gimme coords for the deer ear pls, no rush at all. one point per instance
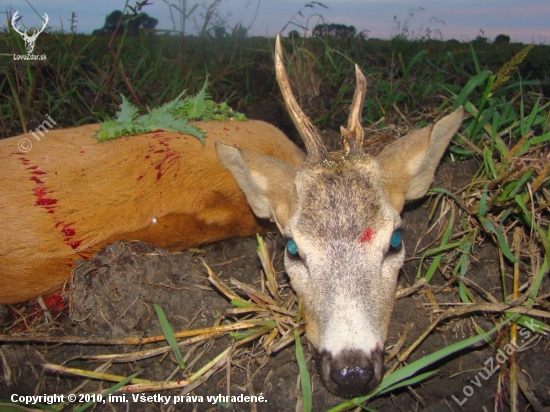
(267, 183)
(408, 164)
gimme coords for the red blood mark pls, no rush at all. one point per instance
(225, 128)
(75, 244)
(40, 193)
(141, 176)
(38, 172)
(32, 168)
(159, 151)
(55, 303)
(45, 201)
(67, 231)
(147, 157)
(366, 236)
(161, 165)
(36, 179)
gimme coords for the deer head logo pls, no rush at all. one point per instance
(29, 40)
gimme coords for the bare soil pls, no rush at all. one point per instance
(113, 294)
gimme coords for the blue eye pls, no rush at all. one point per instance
(396, 240)
(292, 249)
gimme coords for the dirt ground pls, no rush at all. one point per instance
(113, 293)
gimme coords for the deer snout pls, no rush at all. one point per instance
(352, 372)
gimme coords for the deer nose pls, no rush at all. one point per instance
(352, 373)
(352, 379)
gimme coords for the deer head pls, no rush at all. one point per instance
(339, 213)
(29, 40)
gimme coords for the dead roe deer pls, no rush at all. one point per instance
(339, 213)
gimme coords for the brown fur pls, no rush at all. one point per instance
(70, 195)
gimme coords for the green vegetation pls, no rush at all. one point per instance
(503, 87)
(83, 77)
(172, 116)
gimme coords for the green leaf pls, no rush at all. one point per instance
(470, 86)
(241, 303)
(199, 106)
(523, 207)
(172, 116)
(126, 112)
(169, 335)
(527, 123)
(304, 375)
(239, 335)
(534, 325)
(411, 381)
(488, 225)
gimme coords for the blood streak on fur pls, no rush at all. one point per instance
(366, 236)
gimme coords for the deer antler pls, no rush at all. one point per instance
(352, 136)
(309, 133)
(37, 32)
(25, 35)
(13, 22)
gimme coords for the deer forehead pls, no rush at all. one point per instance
(341, 198)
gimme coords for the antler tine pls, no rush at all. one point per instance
(37, 31)
(352, 136)
(46, 21)
(14, 22)
(309, 133)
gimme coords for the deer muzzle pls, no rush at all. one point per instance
(353, 372)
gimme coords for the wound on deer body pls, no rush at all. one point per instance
(366, 236)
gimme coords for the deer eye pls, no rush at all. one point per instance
(396, 240)
(292, 249)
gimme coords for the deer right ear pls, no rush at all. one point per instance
(267, 183)
(408, 164)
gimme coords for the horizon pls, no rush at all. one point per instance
(383, 20)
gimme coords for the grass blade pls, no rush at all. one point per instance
(169, 334)
(304, 374)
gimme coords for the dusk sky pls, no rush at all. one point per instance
(526, 20)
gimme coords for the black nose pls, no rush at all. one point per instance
(353, 379)
(352, 373)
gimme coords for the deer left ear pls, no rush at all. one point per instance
(267, 183)
(408, 164)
